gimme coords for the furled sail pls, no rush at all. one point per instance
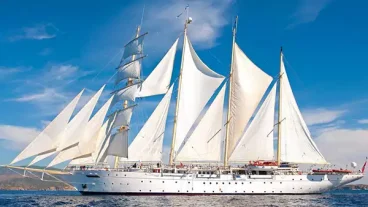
(47, 137)
(158, 81)
(75, 128)
(131, 69)
(86, 142)
(147, 145)
(249, 84)
(126, 93)
(296, 144)
(118, 144)
(134, 47)
(257, 141)
(204, 144)
(198, 85)
(122, 116)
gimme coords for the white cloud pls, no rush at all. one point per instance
(308, 11)
(363, 121)
(343, 146)
(17, 137)
(8, 71)
(209, 17)
(48, 95)
(321, 115)
(37, 32)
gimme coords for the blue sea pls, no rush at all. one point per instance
(63, 198)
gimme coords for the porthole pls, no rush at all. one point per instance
(204, 191)
(272, 191)
(265, 191)
(187, 191)
(223, 183)
(108, 174)
(244, 191)
(176, 181)
(178, 191)
(163, 191)
(293, 178)
(250, 182)
(141, 181)
(140, 190)
(150, 181)
(163, 181)
(264, 182)
(236, 183)
(127, 183)
(150, 190)
(236, 191)
(120, 183)
(229, 183)
(210, 183)
(216, 183)
(125, 175)
(116, 175)
(280, 182)
(242, 183)
(252, 191)
(270, 182)
(213, 191)
(112, 183)
(301, 179)
(188, 182)
(204, 182)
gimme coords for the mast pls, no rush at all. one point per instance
(187, 21)
(230, 87)
(125, 104)
(279, 114)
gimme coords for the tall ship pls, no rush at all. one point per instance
(213, 150)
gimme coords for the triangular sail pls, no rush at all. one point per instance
(249, 83)
(198, 85)
(46, 138)
(147, 145)
(158, 81)
(257, 141)
(296, 144)
(86, 143)
(204, 144)
(75, 128)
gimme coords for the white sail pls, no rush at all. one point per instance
(134, 47)
(129, 70)
(296, 144)
(127, 93)
(123, 117)
(249, 83)
(158, 81)
(198, 85)
(86, 143)
(118, 144)
(147, 145)
(47, 137)
(76, 127)
(42, 156)
(257, 141)
(204, 144)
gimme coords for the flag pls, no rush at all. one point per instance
(183, 11)
(363, 168)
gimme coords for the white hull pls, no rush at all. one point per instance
(110, 182)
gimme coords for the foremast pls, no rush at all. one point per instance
(171, 159)
(130, 79)
(228, 119)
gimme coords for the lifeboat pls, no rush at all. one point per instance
(322, 171)
(342, 171)
(263, 163)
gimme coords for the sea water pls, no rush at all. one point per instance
(71, 198)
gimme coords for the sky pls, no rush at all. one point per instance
(49, 51)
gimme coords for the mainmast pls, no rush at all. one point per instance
(230, 87)
(279, 114)
(187, 21)
(125, 104)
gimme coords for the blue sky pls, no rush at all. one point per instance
(49, 51)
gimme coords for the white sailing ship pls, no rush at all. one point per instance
(207, 155)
